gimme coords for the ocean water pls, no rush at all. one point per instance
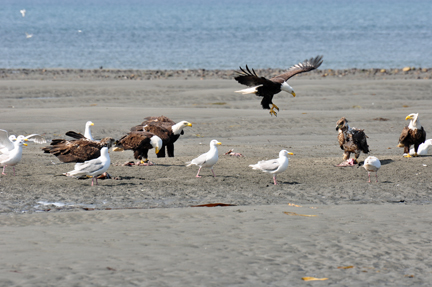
(223, 34)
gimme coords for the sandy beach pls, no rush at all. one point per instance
(140, 228)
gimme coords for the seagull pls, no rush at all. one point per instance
(7, 142)
(208, 159)
(422, 149)
(36, 138)
(29, 35)
(274, 166)
(372, 164)
(93, 167)
(13, 157)
(23, 11)
(87, 132)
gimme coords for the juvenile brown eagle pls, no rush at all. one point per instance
(413, 134)
(351, 140)
(266, 88)
(80, 149)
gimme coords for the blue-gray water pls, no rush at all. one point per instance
(223, 34)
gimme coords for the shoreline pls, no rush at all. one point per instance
(133, 74)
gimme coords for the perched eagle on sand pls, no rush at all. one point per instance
(266, 88)
(139, 143)
(413, 134)
(351, 140)
(166, 129)
(80, 149)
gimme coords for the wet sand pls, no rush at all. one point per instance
(152, 235)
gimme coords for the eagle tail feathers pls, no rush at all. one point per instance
(252, 90)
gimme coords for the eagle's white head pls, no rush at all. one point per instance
(287, 88)
(156, 143)
(178, 127)
(414, 121)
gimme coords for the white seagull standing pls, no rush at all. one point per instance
(23, 11)
(208, 159)
(274, 166)
(12, 157)
(372, 164)
(93, 167)
(87, 132)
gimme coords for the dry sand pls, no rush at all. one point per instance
(381, 229)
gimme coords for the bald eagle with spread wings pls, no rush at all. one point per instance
(267, 88)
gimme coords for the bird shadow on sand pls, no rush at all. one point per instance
(290, 183)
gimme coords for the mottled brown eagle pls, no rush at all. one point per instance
(351, 140)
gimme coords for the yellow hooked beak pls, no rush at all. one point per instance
(218, 143)
(117, 149)
(157, 150)
(290, 153)
(188, 124)
(25, 144)
(26, 140)
(408, 118)
(293, 93)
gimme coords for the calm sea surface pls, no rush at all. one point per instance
(222, 34)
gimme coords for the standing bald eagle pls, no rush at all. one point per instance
(166, 129)
(139, 143)
(266, 88)
(351, 140)
(413, 134)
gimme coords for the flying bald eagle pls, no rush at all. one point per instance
(140, 143)
(266, 88)
(351, 140)
(413, 134)
(166, 129)
(79, 150)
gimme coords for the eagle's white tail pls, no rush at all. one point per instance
(248, 90)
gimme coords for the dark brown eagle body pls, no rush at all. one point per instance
(138, 141)
(79, 150)
(162, 127)
(267, 88)
(351, 140)
(413, 134)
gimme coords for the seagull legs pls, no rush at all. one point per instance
(198, 172)
(95, 179)
(14, 170)
(3, 172)
(214, 175)
(376, 176)
(272, 111)
(274, 179)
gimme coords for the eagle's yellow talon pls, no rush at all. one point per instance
(272, 111)
(407, 155)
